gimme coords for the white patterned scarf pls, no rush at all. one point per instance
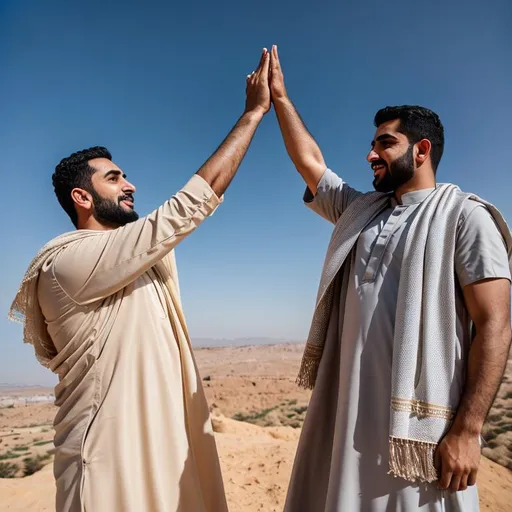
(426, 358)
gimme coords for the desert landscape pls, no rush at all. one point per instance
(257, 412)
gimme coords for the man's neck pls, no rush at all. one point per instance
(420, 183)
(92, 223)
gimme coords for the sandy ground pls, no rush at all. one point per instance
(254, 385)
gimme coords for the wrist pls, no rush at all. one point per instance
(255, 114)
(281, 101)
(467, 427)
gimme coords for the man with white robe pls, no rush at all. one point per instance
(411, 329)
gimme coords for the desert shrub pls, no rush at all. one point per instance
(9, 455)
(495, 416)
(252, 418)
(263, 413)
(8, 470)
(42, 443)
(34, 464)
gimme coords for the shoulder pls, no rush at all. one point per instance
(67, 250)
(474, 211)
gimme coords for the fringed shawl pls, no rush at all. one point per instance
(425, 350)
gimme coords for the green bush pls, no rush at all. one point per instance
(42, 443)
(34, 464)
(9, 455)
(252, 418)
(8, 470)
(20, 448)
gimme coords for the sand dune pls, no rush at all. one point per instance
(256, 464)
(256, 385)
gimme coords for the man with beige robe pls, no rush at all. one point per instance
(102, 308)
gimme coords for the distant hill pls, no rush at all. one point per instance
(5, 385)
(238, 342)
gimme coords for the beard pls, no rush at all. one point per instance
(112, 214)
(399, 172)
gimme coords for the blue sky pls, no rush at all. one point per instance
(161, 84)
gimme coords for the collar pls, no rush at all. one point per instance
(414, 197)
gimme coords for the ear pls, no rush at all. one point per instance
(82, 198)
(422, 151)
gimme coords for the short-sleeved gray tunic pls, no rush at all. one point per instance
(357, 477)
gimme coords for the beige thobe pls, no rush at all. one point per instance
(133, 431)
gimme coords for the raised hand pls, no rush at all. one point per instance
(277, 87)
(300, 144)
(258, 90)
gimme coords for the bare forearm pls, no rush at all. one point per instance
(221, 167)
(300, 144)
(487, 360)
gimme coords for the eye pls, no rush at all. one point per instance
(113, 178)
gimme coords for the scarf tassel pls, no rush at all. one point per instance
(412, 460)
(308, 372)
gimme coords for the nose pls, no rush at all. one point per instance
(372, 156)
(128, 187)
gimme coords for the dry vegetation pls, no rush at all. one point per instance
(26, 443)
(498, 428)
(255, 386)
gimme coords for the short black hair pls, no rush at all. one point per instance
(416, 123)
(75, 172)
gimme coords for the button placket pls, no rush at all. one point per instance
(379, 249)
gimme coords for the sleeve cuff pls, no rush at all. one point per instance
(198, 187)
(326, 179)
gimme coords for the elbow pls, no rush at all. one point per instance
(312, 161)
(312, 171)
